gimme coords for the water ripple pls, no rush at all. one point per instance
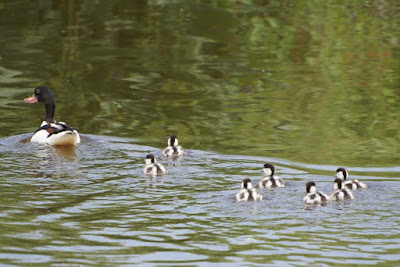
(95, 205)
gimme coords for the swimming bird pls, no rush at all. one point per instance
(340, 192)
(152, 167)
(270, 180)
(342, 174)
(173, 150)
(313, 196)
(50, 131)
(247, 192)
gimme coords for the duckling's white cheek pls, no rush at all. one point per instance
(313, 189)
(340, 175)
(267, 171)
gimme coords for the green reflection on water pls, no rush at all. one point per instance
(307, 81)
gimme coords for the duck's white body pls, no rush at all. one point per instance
(56, 134)
(173, 151)
(354, 184)
(248, 195)
(316, 198)
(247, 192)
(342, 194)
(152, 167)
(271, 182)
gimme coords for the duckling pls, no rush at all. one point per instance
(313, 196)
(340, 192)
(173, 150)
(270, 180)
(152, 167)
(342, 174)
(247, 192)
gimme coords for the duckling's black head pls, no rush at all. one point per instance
(173, 140)
(269, 169)
(150, 159)
(46, 96)
(309, 187)
(341, 173)
(246, 184)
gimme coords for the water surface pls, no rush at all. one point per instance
(94, 205)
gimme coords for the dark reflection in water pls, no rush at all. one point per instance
(311, 82)
(96, 206)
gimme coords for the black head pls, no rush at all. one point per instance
(343, 171)
(247, 183)
(44, 94)
(150, 158)
(172, 139)
(309, 185)
(271, 167)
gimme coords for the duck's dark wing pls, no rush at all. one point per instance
(324, 198)
(243, 195)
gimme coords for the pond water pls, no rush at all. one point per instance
(308, 86)
(93, 205)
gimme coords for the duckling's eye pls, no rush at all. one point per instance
(37, 91)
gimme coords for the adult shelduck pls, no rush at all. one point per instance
(50, 131)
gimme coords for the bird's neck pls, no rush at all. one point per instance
(50, 110)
